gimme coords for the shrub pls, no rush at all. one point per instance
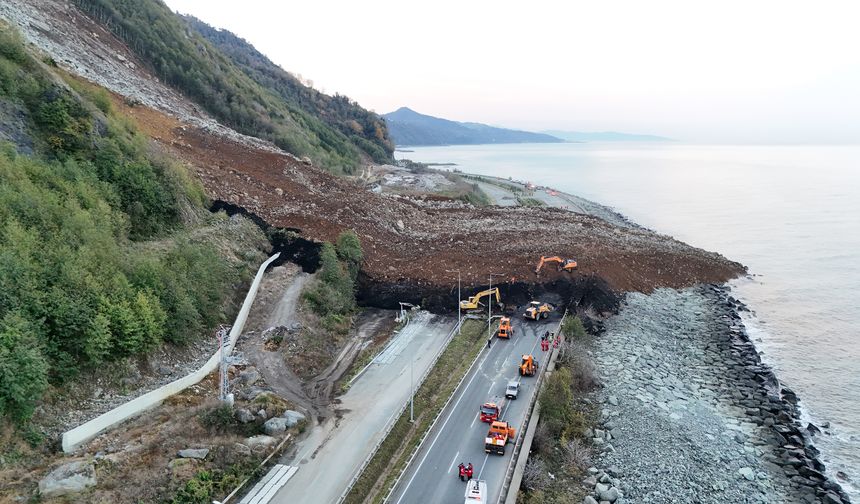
(573, 328)
(218, 418)
(23, 369)
(577, 456)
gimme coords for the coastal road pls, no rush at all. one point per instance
(333, 451)
(432, 477)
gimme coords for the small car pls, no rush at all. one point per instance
(513, 390)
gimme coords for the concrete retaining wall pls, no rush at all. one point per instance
(81, 434)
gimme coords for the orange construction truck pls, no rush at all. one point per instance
(500, 434)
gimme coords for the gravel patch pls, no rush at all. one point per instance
(689, 414)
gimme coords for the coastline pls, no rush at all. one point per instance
(689, 413)
(776, 457)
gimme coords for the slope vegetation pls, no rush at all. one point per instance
(93, 266)
(232, 92)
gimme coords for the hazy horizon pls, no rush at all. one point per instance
(732, 72)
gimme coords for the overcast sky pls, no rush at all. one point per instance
(718, 71)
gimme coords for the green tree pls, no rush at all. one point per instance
(23, 369)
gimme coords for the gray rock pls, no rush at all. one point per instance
(610, 495)
(259, 443)
(249, 376)
(590, 481)
(69, 478)
(242, 449)
(262, 414)
(244, 416)
(293, 417)
(195, 453)
(604, 478)
(589, 500)
(601, 487)
(275, 426)
(747, 473)
(613, 400)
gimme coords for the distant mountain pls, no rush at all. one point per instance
(407, 127)
(605, 136)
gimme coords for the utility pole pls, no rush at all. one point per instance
(490, 308)
(411, 375)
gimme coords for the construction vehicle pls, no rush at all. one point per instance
(529, 366)
(562, 264)
(474, 302)
(505, 329)
(476, 491)
(499, 435)
(537, 310)
(490, 412)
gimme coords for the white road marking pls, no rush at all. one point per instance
(482, 465)
(452, 462)
(442, 428)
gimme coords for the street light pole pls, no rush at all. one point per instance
(490, 308)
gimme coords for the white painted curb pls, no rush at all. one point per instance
(81, 434)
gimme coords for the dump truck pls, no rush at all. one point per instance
(561, 264)
(490, 411)
(537, 310)
(474, 302)
(476, 492)
(529, 366)
(499, 435)
(505, 328)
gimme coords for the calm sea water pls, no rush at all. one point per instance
(790, 213)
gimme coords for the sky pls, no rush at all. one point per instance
(754, 71)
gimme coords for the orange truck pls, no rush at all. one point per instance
(505, 328)
(499, 435)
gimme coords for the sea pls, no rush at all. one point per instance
(791, 214)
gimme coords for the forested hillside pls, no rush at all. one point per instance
(364, 128)
(94, 264)
(236, 93)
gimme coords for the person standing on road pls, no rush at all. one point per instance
(489, 340)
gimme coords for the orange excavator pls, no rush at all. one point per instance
(529, 366)
(562, 264)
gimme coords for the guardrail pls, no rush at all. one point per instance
(527, 426)
(432, 424)
(73, 438)
(394, 418)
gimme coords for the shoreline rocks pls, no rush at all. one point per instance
(691, 414)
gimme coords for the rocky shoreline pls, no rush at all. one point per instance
(688, 412)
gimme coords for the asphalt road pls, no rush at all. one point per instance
(459, 435)
(333, 452)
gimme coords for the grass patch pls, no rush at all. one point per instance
(404, 438)
(529, 202)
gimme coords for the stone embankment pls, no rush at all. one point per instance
(688, 413)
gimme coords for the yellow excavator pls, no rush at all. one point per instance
(474, 302)
(562, 264)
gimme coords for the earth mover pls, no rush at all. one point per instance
(499, 435)
(537, 310)
(474, 302)
(505, 328)
(561, 264)
(529, 366)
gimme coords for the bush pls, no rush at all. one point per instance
(332, 295)
(577, 456)
(23, 369)
(219, 419)
(573, 328)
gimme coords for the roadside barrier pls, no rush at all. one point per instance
(393, 420)
(74, 438)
